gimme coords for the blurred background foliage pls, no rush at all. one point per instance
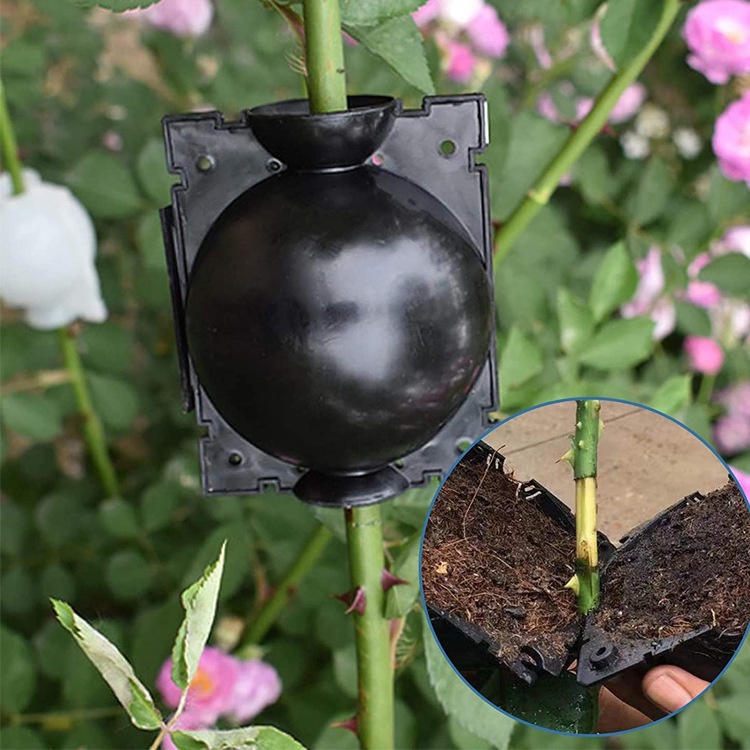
(87, 90)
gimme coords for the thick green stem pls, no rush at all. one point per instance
(585, 451)
(273, 607)
(93, 431)
(9, 146)
(580, 138)
(364, 534)
(324, 53)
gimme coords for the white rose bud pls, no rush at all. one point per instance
(47, 256)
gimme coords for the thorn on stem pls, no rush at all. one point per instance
(355, 603)
(388, 580)
(351, 724)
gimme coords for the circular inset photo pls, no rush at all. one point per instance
(586, 566)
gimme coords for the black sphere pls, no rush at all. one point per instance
(338, 320)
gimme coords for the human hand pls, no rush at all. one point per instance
(671, 688)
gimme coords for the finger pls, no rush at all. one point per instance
(616, 715)
(671, 688)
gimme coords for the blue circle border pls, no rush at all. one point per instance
(421, 549)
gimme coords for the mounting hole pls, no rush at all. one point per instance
(448, 147)
(205, 163)
(235, 459)
(273, 166)
(377, 159)
(400, 463)
(601, 651)
(463, 444)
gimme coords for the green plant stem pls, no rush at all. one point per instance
(706, 389)
(324, 54)
(585, 451)
(364, 531)
(272, 608)
(364, 534)
(93, 431)
(9, 146)
(539, 195)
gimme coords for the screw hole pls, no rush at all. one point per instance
(601, 651)
(448, 147)
(235, 459)
(273, 165)
(205, 163)
(378, 159)
(399, 464)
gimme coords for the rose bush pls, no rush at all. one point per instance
(639, 255)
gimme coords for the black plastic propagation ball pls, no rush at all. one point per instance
(337, 315)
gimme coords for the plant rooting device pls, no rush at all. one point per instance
(331, 281)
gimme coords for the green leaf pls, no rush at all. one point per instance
(461, 703)
(619, 344)
(672, 395)
(576, 321)
(520, 360)
(150, 243)
(106, 187)
(691, 319)
(158, 503)
(245, 738)
(399, 599)
(730, 272)
(112, 666)
(199, 602)
(734, 717)
(13, 528)
(33, 415)
(698, 727)
(398, 43)
(58, 517)
(654, 191)
(627, 26)
(18, 675)
(373, 12)
(118, 518)
(116, 400)
(615, 282)
(119, 6)
(128, 575)
(151, 168)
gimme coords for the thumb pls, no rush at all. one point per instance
(671, 688)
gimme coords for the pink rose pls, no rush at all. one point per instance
(427, 13)
(701, 293)
(648, 299)
(459, 62)
(732, 434)
(717, 33)
(736, 399)
(743, 479)
(258, 685)
(731, 140)
(704, 354)
(185, 18)
(211, 690)
(629, 103)
(487, 33)
(736, 239)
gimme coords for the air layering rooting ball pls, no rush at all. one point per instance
(331, 280)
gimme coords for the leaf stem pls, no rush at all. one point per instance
(585, 450)
(539, 195)
(324, 54)
(364, 534)
(93, 431)
(9, 146)
(273, 607)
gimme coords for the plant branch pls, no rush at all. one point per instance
(364, 534)
(37, 381)
(273, 607)
(539, 195)
(9, 146)
(324, 54)
(585, 450)
(93, 431)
